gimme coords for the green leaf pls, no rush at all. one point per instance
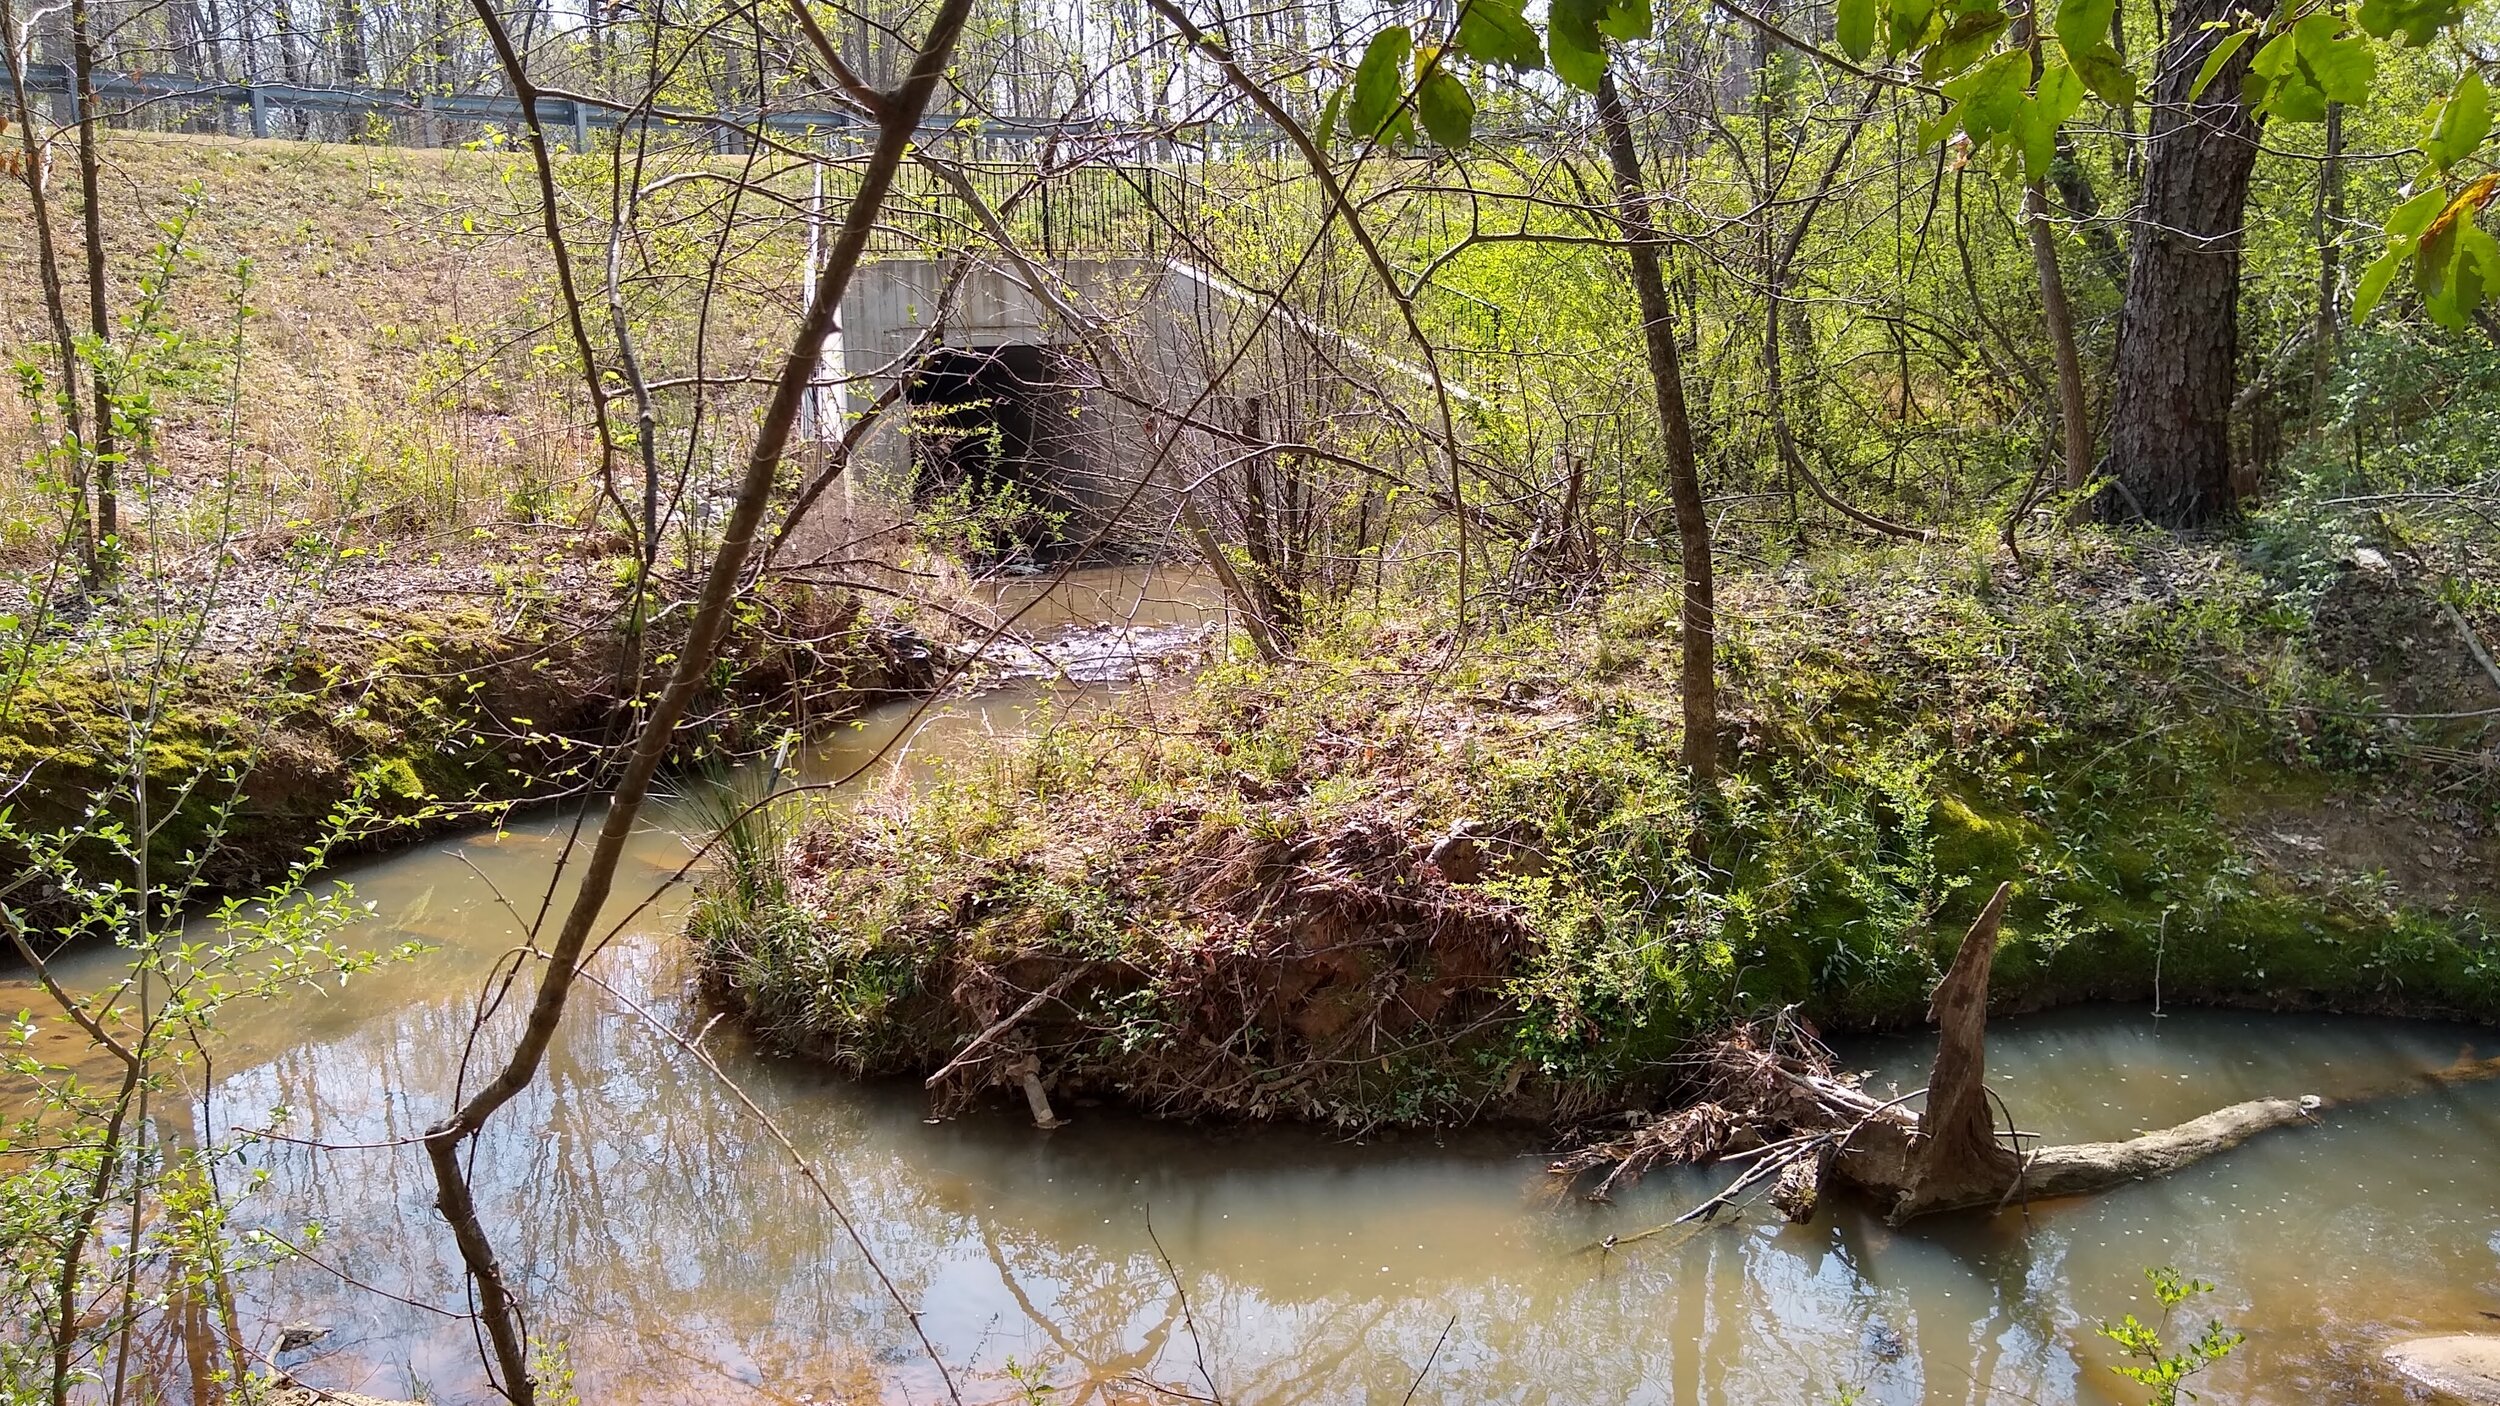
(2054, 99)
(2343, 65)
(2477, 269)
(2374, 281)
(2464, 120)
(1935, 129)
(2446, 296)
(1328, 115)
(1626, 20)
(1964, 41)
(1379, 82)
(2427, 20)
(2280, 86)
(2407, 221)
(1495, 31)
(1853, 23)
(2294, 97)
(2059, 91)
(2035, 136)
(2113, 82)
(1573, 44)
(2418, 20)
(1906, 25)
(2083, 25)
(2215, 58)
(1447, 108)
(2447, 263)
(1989, 98)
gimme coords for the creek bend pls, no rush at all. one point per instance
(670, 1245)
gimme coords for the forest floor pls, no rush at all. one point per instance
(1381, 885)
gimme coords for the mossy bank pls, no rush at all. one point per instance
(278, 715)
(1384, 885)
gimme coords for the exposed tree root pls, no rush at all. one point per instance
(1771, 1101)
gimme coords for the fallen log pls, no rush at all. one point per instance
(1773, 1099)
(2079, 1169)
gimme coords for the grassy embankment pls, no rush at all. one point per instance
(361, 562)
(1247, 901)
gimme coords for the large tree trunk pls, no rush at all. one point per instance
(2178, 334)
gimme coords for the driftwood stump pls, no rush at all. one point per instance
(1954, 1156)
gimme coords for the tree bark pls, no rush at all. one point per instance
(1955, 1155)
(352, 63)
(2178, 333)
(99, 317)
(1666, 374)
(2073, 416)
(2330, 259)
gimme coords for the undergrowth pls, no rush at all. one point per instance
(1366, 887)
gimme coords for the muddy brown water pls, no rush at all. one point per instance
(672, 1249)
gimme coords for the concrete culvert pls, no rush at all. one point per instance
(1001, 429)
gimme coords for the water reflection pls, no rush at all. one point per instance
(669, 1244)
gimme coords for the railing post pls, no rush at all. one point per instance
(260, 111)
(581, 126)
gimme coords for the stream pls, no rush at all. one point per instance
(669, 1244)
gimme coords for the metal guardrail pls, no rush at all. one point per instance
(1112, 193)
(582, 114)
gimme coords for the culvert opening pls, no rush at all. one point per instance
(999, 450)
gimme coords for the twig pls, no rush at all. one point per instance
(2473, 642)
(351, 1280)
(1188, 1319)
(1429, 1359)
(806, 1169)
(1010, 1022)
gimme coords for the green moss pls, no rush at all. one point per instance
(1973, 844)
(405, 715)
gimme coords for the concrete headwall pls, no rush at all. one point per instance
(899, 311)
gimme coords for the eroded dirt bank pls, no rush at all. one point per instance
(1365, 889)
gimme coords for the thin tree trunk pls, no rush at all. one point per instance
(2073, 416)
(352, 63)
(2074, 433)
(2178, 333)
(55, 297)
(1777, 284)
(99, 319)
(2075, 192)
(1666, 373)
(2330, 259)
(898, 120)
